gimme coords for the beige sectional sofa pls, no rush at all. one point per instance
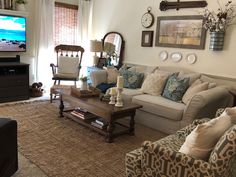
(164, 114)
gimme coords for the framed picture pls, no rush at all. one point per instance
(101, 62)
(147, 38)
(180, 32)
(1, 4)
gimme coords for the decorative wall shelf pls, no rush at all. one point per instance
(14, 12)
(165, 5)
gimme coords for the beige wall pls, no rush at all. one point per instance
(124, 16)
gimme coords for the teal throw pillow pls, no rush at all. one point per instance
(132, 79)
(175, 88)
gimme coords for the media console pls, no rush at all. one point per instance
(14, 80)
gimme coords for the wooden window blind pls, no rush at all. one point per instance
(65, 24)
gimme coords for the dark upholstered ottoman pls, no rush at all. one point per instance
(8, 147)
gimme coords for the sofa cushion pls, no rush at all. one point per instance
(127, 94)
(160, 106)
(133, 92)
(143, 69)
(163, 72)
(154, 83)
(199, 81)
(175, 88)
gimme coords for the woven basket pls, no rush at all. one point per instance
(92, 92)
(34, 92)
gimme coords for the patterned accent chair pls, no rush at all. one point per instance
(162, 159)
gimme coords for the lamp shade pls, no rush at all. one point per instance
(96, 46)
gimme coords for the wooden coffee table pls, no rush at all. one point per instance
(102, 109)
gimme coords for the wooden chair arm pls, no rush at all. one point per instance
(53, 66)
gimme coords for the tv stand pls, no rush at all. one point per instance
(14, 79)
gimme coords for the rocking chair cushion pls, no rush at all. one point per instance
(65, 76)
(68, 65)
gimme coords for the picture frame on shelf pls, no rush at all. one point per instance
(101, 62)
(180, 32)
(7, 4)
(1, 4)
(147, 39)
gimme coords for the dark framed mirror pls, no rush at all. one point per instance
(113, 49)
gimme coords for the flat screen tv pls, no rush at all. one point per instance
(12, 33)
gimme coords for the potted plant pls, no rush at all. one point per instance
(218, 22)
(84, 85)
(20, 5)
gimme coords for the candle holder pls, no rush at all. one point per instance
(119, 102)
(112, 99)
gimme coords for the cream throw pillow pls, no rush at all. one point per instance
(154, 83)
(197, 82)
(211, 85)
(200, 142)
(112, 74)
(230, 112)
(193, 89)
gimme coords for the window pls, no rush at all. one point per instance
(65, 24)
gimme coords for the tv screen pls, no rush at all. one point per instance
(12, 33)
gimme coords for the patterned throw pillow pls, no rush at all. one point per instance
(105, 86)
(132, 79)
(175, 88)
(154, 83)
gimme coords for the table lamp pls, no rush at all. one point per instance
(95, 46)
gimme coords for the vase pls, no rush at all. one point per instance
(84, 85)
(216, 41)
(20, 7)
(108, 61)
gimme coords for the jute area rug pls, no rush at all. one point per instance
(63, 148)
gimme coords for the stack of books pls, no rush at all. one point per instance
(82, 114)
(99, 123)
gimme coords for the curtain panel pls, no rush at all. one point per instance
(44, 36)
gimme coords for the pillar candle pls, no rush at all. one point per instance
(120, 82)
(113, 90)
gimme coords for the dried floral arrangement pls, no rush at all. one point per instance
(21, 1)
(83, 78)
(220, 20)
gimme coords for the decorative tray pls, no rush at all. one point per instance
(91, 92)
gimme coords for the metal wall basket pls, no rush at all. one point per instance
(217, 41)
